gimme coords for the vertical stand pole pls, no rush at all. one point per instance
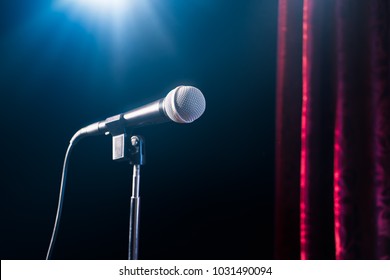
(136, 159)
(134, 215)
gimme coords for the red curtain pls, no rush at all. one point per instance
(333, 130)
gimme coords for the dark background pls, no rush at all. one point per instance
(208, 187)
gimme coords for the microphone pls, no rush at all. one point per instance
(184, 104)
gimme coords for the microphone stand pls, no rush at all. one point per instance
(133, 151)
(136, 159)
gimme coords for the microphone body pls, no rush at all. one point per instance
(183, 104)
(151, 113)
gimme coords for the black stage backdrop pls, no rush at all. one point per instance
(207, 189)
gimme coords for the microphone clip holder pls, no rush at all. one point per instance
(120, 145)
(131, 149)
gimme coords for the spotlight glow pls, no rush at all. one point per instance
(99, 8)
(119, 25)
(104, 5)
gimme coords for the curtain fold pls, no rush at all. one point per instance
(380, 87)
(288, 113)
(333, 130)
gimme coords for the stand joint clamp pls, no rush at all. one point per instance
(137, 150)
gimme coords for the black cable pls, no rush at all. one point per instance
(60, 201)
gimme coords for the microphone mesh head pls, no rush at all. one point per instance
(184, 104)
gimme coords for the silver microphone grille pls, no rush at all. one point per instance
(184, 104)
